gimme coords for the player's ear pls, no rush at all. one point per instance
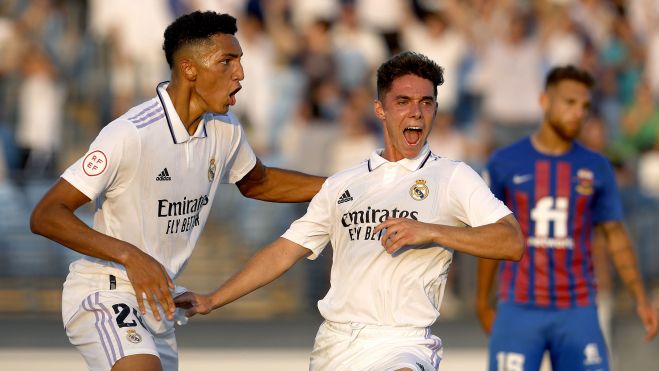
(187, 69)
(379, 110)
(544, 101)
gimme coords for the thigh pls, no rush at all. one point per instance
(518, 340)
(107, 327)
(577, 342)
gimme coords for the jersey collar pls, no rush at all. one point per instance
(176, 128)
(411, 164)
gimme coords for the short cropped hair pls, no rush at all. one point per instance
(407, 63)
(194, 28)
(569, 72)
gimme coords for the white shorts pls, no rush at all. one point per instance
(359, 347)
(102, 320)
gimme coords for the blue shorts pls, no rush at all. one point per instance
(521, 334)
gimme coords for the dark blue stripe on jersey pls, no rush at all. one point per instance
(162, 101)
(369, 165)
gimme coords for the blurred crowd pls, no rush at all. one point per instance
(67, 68)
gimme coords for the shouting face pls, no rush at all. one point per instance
(407, 111)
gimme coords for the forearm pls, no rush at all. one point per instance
(63, 226)
(624, 259)
(54, 218)
(500, 240)
(279, 185)
(264, 267)
(486, 272)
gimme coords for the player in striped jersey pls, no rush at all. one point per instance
(559, 191)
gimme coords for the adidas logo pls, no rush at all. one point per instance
(345, 197)
(164, 176)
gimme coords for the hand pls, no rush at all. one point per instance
(149, 278)
(486, 315)
(194, 303)
(648, 316)
(402, 231)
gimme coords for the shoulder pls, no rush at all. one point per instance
(442, 166)
(343, 177)
(520, 148)
(351, 172)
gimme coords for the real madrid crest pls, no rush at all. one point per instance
(585, 180)
(419, 190)
(133, 336)
(211, 170)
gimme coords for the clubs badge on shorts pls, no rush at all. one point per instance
(133, 336)
(211, 170)
(419, 190)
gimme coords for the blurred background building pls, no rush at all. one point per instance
(67, 68)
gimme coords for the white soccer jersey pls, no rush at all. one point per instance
(368, 285)
(154, 183)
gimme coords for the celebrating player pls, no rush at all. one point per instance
(393, 221)
(154, 172)
(559, 191)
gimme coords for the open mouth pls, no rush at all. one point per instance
(412, 135)
(232, 95)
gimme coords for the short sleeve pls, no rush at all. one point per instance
(607, 205)
(472, 201)
(313, 229)
(103, 169)
(493, 179)
(241, 158)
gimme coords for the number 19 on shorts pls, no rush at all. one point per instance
(509, 361)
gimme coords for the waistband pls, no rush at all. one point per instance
(376, 331)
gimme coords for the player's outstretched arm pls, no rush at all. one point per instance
(279, 185)
(54, 218)
(500, 240)
(264, 267)
(486, 272)
(620, 247)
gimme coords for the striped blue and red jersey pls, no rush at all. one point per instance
(557, 201)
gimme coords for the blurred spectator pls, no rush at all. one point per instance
(386, 17)
(40, 114)
(355, 140)
(133, 32)
(259, 94)
(510, 75)
(436, 38)
(358, 50)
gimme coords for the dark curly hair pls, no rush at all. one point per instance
(569, 72)
(407, 63)
(194, 28)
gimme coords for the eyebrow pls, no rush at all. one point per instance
(425, 97)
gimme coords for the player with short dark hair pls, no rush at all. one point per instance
(393, 221)
(154, 173)
(559, 191)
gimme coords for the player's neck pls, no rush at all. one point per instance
(181, 99)
(548, 142)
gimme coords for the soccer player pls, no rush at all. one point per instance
(559, 191)
(393, 221)
(154, 172)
